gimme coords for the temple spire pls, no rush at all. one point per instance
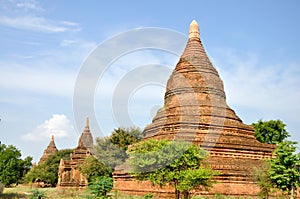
(52, 138)
(86, 137)
(87, 127)
(194, 30)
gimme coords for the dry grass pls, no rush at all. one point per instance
(23, 191)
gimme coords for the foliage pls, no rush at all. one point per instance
(36, 194)
(123, 137)
(285, 167)
(92, 167)
(179, 164)
(12, 167)
(271, 132)
(47, 171)
(100, 186)
(111, 150)
(108, 153)
(263, 180)
(148, 195)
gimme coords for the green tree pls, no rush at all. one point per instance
(92, 168)
(285, 168)
(176, 163)
(110, 154)
(271, 132)
(47, 171)
(123, 137)
(100, 186)
(111, 150)
(12, 167)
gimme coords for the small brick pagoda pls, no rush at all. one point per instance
(195, 110)
(50, 150)
(68, 174)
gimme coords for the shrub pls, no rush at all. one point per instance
(100, 186)
(36, 194)
(148, 195)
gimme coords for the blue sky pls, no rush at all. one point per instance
(253, 44)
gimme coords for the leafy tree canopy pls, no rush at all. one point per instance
(123, 137)
(47, 171)
(100, 186)
(92, 168)
(12, 167)
(111, 150)
(271, 132)
(284, 169)
(177, 163)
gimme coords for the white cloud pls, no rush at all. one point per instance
(29, 5)
(47, 82)
(28, 15)
(250, 84)
(260, 91)
(37, 24)
(58, 125)
(48, 72)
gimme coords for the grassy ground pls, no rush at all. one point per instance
(24, 192)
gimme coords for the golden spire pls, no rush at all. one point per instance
(194, 30)
(52, 138)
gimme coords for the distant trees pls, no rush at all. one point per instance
(123, 137)
(12, 167)
(175, 163)
(92, 168)
(271, 132)
(111, 150)
(47, 171)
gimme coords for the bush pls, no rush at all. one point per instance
(148, 195)
(1, 187)
(36, 194)
(100, 186)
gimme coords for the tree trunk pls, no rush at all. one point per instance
(177, 193)
(186, 195)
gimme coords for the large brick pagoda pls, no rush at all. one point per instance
(195, 110)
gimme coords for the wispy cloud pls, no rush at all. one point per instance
(46, 73)
(37, 24)
(270, 91)
(29, 5)
(45, 82)
(58, 125)
(27, 15)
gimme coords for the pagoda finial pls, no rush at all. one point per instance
(194, 30)
(87, 123)
(52, 138)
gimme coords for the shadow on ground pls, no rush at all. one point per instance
(12, 196)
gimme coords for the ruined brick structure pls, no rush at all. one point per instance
(68, 174)
(195, 110)
(50, 150)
